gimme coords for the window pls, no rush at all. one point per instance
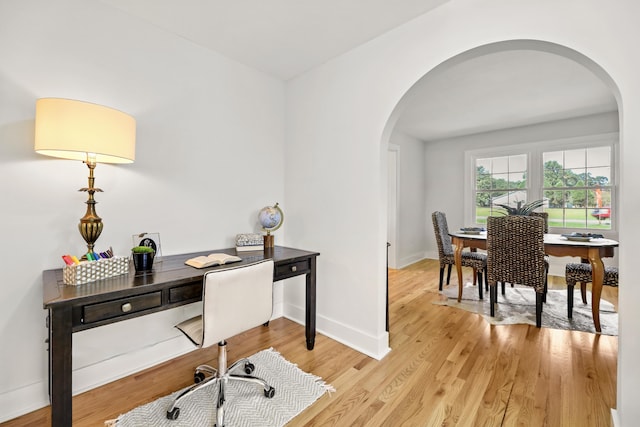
(574, 178)
(499, 181)
(577, 185)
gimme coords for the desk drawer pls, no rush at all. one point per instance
(185, 293)
(108, 310)
(291, 269)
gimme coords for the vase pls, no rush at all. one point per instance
(143, 261)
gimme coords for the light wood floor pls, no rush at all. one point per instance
(447, 367)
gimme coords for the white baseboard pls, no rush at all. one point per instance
(375, 347)
(35, 396)
(615, 418)
(410, 259)
(23, 400)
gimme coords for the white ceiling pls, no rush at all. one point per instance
(285, 38)
(502, 90)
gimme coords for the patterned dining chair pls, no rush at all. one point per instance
(475, 260)
(582, 273)
(515, 254)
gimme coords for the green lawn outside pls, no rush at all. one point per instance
(574, 218)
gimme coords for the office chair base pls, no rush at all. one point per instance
(220, 377)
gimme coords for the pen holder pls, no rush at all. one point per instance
(91, 271)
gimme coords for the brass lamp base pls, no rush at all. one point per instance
(90, 229)
(90, 226)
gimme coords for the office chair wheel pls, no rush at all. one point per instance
(173, 414)
(198, 377)
(249, 368)
(269, 392)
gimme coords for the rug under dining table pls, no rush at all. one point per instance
(518, 306)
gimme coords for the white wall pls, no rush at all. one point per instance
(413, 221)
(210, 138)
(340, 116)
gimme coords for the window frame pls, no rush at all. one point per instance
(535, 172)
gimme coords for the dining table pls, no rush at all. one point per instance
(591, 249)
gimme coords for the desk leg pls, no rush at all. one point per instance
(60, 342)
(597, 271)
(458, 257)
(310, 312)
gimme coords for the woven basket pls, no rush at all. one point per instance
(91, 271)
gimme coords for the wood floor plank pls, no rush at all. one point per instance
(446, 367)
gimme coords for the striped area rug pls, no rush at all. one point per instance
(246, 405)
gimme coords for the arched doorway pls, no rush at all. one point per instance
(446, 155)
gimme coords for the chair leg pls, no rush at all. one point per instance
(449, 274)
(502, 283)
(475, 280)
(583, 291)
(493, 291)
(539, 297)
(441, 277)
(480, 284)
(486, 280)
(570, 300)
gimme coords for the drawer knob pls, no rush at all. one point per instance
(126, 307)
(294, 268)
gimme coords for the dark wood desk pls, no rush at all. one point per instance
(555, 245)
(170, 284)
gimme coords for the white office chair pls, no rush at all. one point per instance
(234, 300)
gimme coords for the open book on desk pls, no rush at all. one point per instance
(212, 259)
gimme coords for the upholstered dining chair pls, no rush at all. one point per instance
(515, 254)
(475, 260)
(234, 300)
(582, 273)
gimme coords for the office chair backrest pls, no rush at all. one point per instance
(235, 300)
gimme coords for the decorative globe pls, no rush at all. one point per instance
(271, 218)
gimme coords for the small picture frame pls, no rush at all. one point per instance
(149, 239)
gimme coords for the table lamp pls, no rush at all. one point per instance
(78, 130)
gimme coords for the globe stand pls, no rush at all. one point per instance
(268, 240)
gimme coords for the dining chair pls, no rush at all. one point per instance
(234, 300)
(515, 254)
(582, 273)
(545, 217)
(475, 260)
